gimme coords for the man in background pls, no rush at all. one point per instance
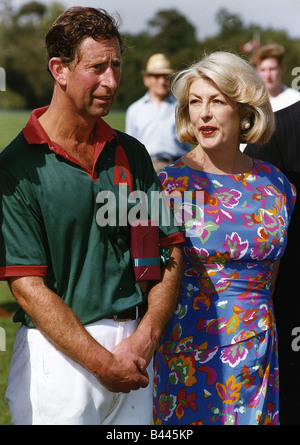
(283, 151)
(268, 62)
(151, 119)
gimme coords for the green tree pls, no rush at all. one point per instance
(29, 85)
(230, 23)
(134, 62)
(31, 11)
(172, 32)
(168, 32)
(23, 52)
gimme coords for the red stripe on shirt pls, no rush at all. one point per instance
(22, 271)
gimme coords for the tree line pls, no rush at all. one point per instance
(29, 85)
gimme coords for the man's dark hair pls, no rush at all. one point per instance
(73, 26)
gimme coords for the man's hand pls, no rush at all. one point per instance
(120, 371)
(137, 343)
(123, 372)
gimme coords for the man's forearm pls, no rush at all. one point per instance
(53, 317)
(58, 323)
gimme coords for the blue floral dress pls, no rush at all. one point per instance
(217, 362)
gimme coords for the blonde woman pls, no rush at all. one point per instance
(217, 361)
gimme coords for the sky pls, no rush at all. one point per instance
(135, 14)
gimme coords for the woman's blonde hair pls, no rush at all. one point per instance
(237, 80)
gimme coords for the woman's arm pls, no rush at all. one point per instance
(162, 302)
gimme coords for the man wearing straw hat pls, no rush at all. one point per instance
(151, 119)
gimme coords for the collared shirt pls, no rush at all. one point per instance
(287, 97)
(49, 209)
(155, 127)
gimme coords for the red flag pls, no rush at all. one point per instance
(251, 45)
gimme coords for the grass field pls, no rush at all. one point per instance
(11, 123)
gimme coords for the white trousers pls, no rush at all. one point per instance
(47, 388)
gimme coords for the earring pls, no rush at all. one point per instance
(245, 124)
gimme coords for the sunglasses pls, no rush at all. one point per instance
(157, 76)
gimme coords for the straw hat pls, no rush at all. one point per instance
(158, 64)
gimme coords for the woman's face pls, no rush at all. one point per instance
(214, 117)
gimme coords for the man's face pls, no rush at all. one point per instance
(93, 79)
(270, 71)
(158, 85)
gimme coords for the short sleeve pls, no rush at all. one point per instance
(22, 247)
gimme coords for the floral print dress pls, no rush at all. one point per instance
(217, 362)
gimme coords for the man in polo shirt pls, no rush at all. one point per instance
(151, 119)
(83, 352)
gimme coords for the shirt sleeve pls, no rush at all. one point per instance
(22, 251)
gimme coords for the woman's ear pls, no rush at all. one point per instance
(58, 70)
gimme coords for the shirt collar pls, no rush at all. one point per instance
(35, 134)
(168, 99)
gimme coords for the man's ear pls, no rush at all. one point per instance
(58, 70)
